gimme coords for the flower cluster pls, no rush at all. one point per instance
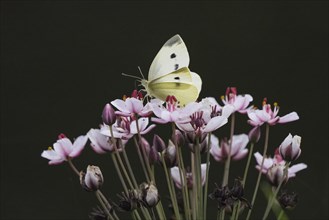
(194, 133)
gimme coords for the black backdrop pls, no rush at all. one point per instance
(61, 61)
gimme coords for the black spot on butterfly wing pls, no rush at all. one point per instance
(176, 66)
(173, 55)
(177, 78)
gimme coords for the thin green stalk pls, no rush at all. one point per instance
(197, 173)
(267, 133)
(151, 176)
(115, 162)
(281, 214)
(228, 161)
(205, 198)
(108, 214)
(141, 160)
(271, 200)
(245, 176)
(222, 215)
(185, 190)
(182, 174)
(125, 157)
(107, 203)
(73, 167)
(145, 156)
(123, 169)
(171, 189)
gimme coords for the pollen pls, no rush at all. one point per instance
(50, 148)
(275, 104)
(124, 97)
(222, 97)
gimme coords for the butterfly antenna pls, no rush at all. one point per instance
(132, 76)
(141, 72)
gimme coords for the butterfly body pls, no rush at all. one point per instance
(169, 74)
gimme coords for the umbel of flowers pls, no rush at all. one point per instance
(193, 127)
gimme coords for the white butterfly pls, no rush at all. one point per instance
(169, 74)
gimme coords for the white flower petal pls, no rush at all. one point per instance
(215, 123)
(176, 176)
(296, 168)
(293, 116)
(120, 105)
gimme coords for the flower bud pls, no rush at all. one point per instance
(276, 174)
(108, 115)
(158, 143)
(149, 195)
(288, 200)
(290, 148)
(254, 134)
(92, 180)
(170, 155)
(178, 137)
(154, 156)
(144, 145)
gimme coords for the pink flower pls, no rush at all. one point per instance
(171, 112)
(131, 106)
(239, 102)
(276, 161)
(64, 149)
(100, 143)
(238, 150)
(267, 115)
(208, 117)
(126, 127)
(290, 147)
(189, 176)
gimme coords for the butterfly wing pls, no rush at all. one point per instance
(172, 56)
(182, 84)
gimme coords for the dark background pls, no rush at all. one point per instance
(62, 61)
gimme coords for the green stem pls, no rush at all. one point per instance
(205, 198)
(245, 177)
(148, 171)
(125, 157)
(123, 168)
(73, 167)
(267, 133)
(107, 203)
(182, 175)
(171, 189)
(271, 200)
(197, 184)
(228, 161)
(141, 160)
(108, 214)
(281, 214)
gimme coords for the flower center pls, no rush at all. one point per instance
(197, 121)
(171, 103)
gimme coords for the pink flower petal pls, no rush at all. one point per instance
(78, 146)
(296, 168)
(293, 116)
(240, 154)
(63, 148)
(120, 105)
(50, 155)
(148, 129)
(215, 123)
(176, 176)
(134, 105)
